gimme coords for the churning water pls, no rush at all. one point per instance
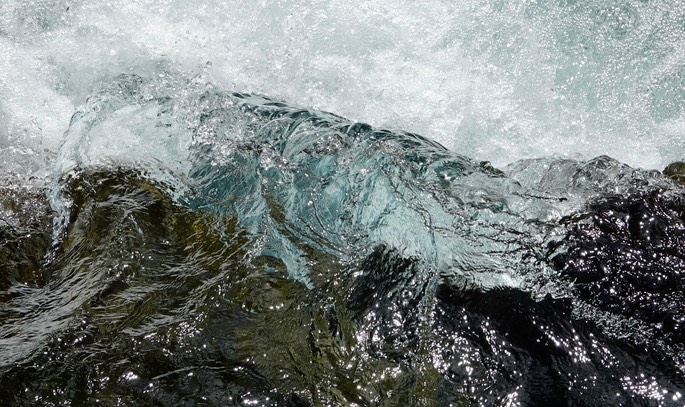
(334, 203)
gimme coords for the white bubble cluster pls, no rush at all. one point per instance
(494, 80)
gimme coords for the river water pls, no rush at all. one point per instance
(342, 203)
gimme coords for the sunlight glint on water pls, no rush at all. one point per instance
(170, 236)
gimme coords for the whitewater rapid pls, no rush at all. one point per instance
(336, 203)
(495, 81)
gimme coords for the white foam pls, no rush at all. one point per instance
(494, 81)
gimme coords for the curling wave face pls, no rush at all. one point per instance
(245, 251)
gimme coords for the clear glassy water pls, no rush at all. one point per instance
(194, 210)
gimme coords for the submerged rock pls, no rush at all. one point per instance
(292, 257)
(676, 171)
(25, 235)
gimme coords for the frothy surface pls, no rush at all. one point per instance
(490, 80)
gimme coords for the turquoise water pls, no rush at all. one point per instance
(328, 203)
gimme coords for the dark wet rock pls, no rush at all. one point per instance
(626, 256)
(676, 171)
(25, 235)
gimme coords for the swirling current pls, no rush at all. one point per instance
(210, 203)
(298, 258)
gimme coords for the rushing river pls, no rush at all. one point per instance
(290, 203)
